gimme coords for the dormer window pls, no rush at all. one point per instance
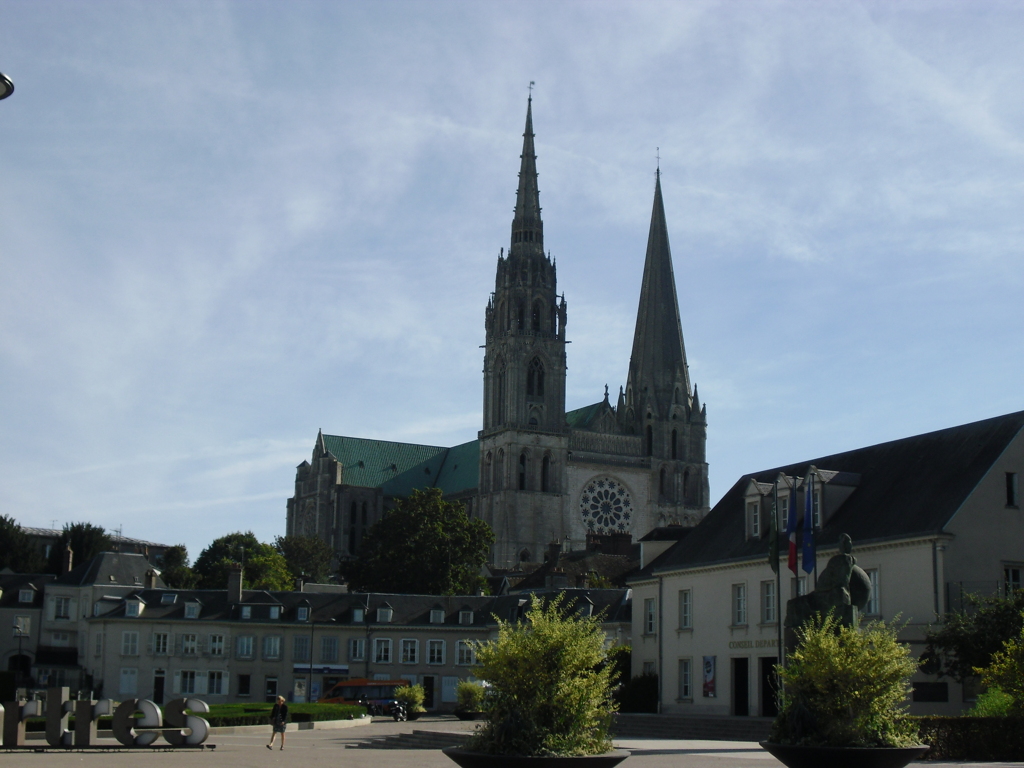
(754, 517)
(26, 596)
(358, 615)
(384, 615)
(246, 611)
(168, 598)
(133, 608)
(465, 617)
(303, 613)
(191, 610)
(275, 612)
(437, 616)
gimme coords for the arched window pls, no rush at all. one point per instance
(499, 471)
(675, 440)
(488, 477)
(524, 556)
(535, 378)
(520, 315)
(522, 471)
(499, 393)
(535, 317)
(545, 474)
(650, 440)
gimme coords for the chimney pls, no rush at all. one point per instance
(554, 551)
(235, 583)
(150, 580)
(69, 557)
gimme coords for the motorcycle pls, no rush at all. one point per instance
(398, 712)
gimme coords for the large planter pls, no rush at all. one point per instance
(794, 756)
(464, 758)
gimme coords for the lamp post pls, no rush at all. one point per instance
(6, 86)
(312, 629)
(19, 633)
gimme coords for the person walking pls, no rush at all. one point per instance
(278, 721)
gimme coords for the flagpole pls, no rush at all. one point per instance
(778, 576)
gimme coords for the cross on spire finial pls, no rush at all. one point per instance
(657, 155)
(531, 89)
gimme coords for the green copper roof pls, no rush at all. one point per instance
(581, 417)
(373, 463)
(453, 470)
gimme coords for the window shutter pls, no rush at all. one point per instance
(51, 608)
(73, 612)
(176, 686)
(201, 678)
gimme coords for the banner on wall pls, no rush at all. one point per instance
(709, 676)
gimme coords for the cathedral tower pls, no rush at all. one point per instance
(523, 444)
(658, 403)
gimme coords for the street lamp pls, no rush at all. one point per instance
(19, 632)
(312, 629)
(6, 86)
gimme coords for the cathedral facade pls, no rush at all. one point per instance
(537, 473)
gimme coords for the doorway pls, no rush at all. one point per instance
(741, 687)
(158, 687)
(428, 691)
(769, 686)
(270, 693)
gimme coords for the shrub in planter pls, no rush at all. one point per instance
(469, 697)
(412, 696)
(1006, 674)
(549, 693)
(846, 687)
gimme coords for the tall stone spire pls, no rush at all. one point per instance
(527, 227)
(657, 366)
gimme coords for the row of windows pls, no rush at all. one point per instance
(759, 519)
(245, 648)
(768, 603)
(495, 470)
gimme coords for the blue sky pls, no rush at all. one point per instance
(226, 225)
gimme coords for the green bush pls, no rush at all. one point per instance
(412, 696)
(992, 703)
(550, 692)
(470, 697)
(1006, 673)
(972, 738)
(846, 687)
(638, 695)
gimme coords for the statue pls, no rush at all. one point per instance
(843, 588)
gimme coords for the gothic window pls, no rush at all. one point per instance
(534, 417)
(522, 471)
(535, 378)
(520, 312)
(352, 516)
(499, 392)
(535, 320)
(675, 438)
(545, 474)
(524, 556)
(489, 470)
(650, 440)
(606, 506)
(499, 471)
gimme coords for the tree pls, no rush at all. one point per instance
(1006, 673)
(969, 638)
(550, 690)
(308, 556)
(425, 546)
(176, 573)
(17, 551)
(262, 566)
(86, 541)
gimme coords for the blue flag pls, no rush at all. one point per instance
(808, 544)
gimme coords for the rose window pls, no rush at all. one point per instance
(605, 506)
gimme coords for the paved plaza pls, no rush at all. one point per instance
(331, 749)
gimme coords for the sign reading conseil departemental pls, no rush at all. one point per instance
(178, 728)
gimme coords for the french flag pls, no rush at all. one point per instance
(791, 529)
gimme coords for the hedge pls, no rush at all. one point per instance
(972, 738)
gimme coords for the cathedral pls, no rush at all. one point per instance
(537, 473)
